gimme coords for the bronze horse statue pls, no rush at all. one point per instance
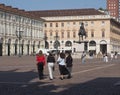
(82, 31)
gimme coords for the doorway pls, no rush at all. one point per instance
(103, 48)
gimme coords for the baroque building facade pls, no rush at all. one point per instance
(103, 32)
(21, 33)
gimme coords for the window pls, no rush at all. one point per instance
(68, 44)
(50, 33)
(74, 34)
(103, 34)
(68, 23)
(45, 25)
(86, 23)
(56, 24)
(92, 34)
(45, 33)
(92, 23)
(50, 24)
(74, 23)
(62, 34)
(103, 22)
(86, 34)
(56, 33)
(92, 43)
(68, 34)
(62, 24)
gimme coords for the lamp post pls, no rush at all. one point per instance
(19, 35)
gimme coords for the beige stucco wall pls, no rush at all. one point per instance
(98, 26)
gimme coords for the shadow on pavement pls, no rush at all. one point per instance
(23, 86)
(99, 86)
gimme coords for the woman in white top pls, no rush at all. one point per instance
(62, 66)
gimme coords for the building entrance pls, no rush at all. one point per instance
(103, 48)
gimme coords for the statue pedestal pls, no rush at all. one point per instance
(81, 46)
(79, 42)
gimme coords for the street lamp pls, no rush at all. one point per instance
(19, 35)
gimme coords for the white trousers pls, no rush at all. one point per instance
(50, 69)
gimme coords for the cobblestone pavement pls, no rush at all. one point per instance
(18, 76)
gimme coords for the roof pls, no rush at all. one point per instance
(66, 12)
(17, 11)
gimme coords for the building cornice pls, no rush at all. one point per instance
(68, 18)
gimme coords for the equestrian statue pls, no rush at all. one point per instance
(82, 31)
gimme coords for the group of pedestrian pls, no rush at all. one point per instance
(65, 64)
(112, 56)
(105, 57)
(64, 61)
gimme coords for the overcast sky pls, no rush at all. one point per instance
(54, 4)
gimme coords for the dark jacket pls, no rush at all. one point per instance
(50, 59)
(69, 61)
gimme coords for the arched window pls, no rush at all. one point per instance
(56, 44)
(92, 43)
(68, 43)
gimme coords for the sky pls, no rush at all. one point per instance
(54, 4)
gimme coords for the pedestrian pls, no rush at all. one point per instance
(115, 55)
(51, 65)
(83, 57)
(62, 66)
(40, 58)
(112, 55)
(106, 57)
(69, 63)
